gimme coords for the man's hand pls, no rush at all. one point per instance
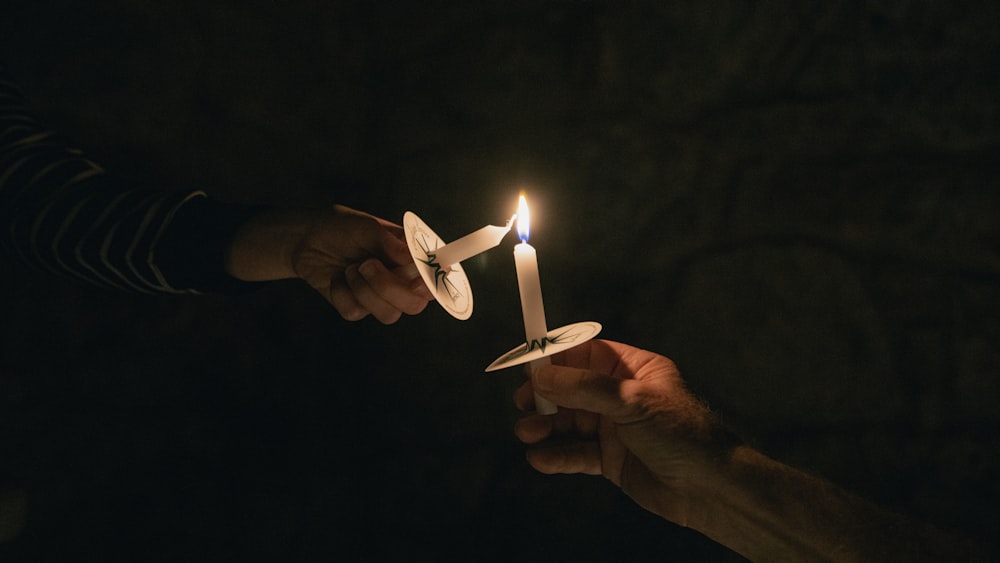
(629, 418)
(357, 261)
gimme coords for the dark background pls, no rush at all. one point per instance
(798, 203)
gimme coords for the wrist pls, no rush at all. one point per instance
(262, 248)
(732, 500)
(691, 485)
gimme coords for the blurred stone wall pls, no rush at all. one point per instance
(797, 203)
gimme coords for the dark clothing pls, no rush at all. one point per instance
(63, 213)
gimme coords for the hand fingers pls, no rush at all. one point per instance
(580, 389)
(373, 291)
(384, 240)
(563, 421)
(394, 228)
(395, 249)
(385, 294)
(367, 298)
(533, 429)
(391, 288)
(584, 423)
(568, 457)
(407, 272)
(342, 299)
(602, 356)
(524, 397)
(377, 237)
(415, 283)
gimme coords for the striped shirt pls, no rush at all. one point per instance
(63, 213)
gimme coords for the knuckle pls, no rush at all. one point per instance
(355, 313)
(390, 317)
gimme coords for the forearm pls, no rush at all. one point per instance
(768, 511)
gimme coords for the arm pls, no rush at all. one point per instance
(630, 418)
(769, 511)
(63, 213)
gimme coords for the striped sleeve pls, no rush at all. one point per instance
(63, 213)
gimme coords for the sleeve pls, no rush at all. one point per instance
(63, 213)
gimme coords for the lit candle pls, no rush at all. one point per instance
(470, 245)
(530, 287)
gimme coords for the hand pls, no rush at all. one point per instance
(629, 418)
(357, 261)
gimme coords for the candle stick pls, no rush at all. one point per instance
(530, 288)
(471, 244)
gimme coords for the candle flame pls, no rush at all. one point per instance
(523, 218)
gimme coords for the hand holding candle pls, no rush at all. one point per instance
(439, 266)
(540, 343)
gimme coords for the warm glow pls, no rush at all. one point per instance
(523, 218)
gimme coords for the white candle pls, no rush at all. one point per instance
(470, 245)
(530, 287)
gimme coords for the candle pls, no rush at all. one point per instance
(530, 288)
(471, 244)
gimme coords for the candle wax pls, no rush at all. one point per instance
(471, 244)
(530, 287)
(533, 311)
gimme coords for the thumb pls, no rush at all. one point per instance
(396, 251)
(579, 389)
(378, 238)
